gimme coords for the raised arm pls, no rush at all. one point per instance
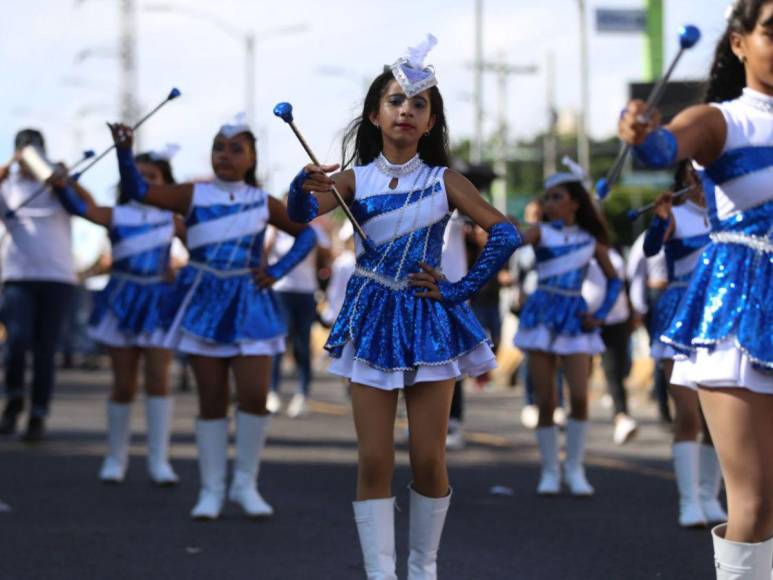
(311, 192)
(77, 200)
(698, 132)
(176, 198)
(661, 227)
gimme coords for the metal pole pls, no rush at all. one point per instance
(249, 78)
(549, 142)
(583, 146)
(129, 62)
(499, 189)
(477, 146)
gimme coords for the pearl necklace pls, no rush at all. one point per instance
(394, 170)
(758, 101)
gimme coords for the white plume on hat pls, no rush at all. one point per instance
(576, 174)
(167, 153)
(410, 72)
(238, 124)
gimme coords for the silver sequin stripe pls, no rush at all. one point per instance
(559, 291)
(381, 280)
(220, 273)
(756, 243)
(136, 278)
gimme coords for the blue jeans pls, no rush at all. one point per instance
(34, 313)
(299, 310)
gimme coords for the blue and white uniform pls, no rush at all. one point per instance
(725, 318)
(550, 320)
(217, 310)
(127, 312)
(385, 336)
(682, 251)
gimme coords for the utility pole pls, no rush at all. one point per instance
(128, 58)
(549, 148)
(249, 78)
(583, 146)
(477, 144)
(503, 72)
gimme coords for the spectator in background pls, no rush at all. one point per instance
(39, 276)
(297, 303)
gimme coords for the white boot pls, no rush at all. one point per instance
(686, 468)
(212, 443)
(740, 561)
(158, 416)
(427, 518)
(251, 434)
(710, 482)
(574, 469)
(550, 475)
(116, 461)
(375, 520)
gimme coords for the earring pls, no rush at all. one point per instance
(426, 134)
(742, 58)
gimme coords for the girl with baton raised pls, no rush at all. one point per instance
(127, 315)
(725, 319)
(684, 231)
(223, 314)
(402, 325)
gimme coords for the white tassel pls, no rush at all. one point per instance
(417, 54)
(574, 167)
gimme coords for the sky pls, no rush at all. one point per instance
(322, 70)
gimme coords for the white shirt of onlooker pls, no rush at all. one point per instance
(302, 278)
(595, 287)
(38, 246)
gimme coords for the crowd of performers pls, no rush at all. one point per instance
(404, 322)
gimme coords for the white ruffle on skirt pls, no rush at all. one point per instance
(108, 333)
(474, 363)
(540, 338)
(191, 344)
(724, 366)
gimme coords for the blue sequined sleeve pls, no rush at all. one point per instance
(614, 286)
(653, 239)
(302, 206)
(659, 149)
(503, 240)
(70, 200)
(132, 182)
(304, 243)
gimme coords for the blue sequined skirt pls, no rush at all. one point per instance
(392, 330)
(134, 310)
(221, 309)
(730, 295)
(664, 312)
(551, 322)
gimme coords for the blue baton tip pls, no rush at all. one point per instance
(284, 111)
(689, 36)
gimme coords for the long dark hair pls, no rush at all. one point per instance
(587, 216)
(250, 176)
(162, 165)
(362, 141)
(728, 75)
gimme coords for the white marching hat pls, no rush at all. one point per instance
(165, 154)
(410, 72)
(576, 174)
(238, 124)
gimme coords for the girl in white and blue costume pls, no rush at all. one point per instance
(221, 311)
(127, 316)
(402, 326)
(555, 322)
(684, 231)
(725, 318)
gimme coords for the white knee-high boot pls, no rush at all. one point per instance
(212, 443)
(427, 518)
(116, 461)
(375, 519)
(550, 475)
(710, 482)
(574, 468)
(687, 470)
(741, 561)
(158, 416)
(251, 434)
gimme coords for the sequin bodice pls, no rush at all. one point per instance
(141, 237)
(406, 224)
(226, 226)
(563, 256)
(691, 235)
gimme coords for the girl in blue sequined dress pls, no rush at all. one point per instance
(555, 326)
(222, 312)
(683, 230)
(725, 319)
(127, 316)
(402, 326)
